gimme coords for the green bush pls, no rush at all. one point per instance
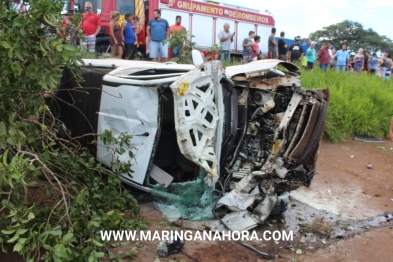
(185, 47)
(359, 104)
(55, 198)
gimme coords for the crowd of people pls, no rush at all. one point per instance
(305, 54)
(123, 38)
(123, 35)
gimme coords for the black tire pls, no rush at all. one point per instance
(280, 207)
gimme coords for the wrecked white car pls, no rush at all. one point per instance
(234, 140)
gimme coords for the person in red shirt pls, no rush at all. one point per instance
(91, 26)
(255, 52)
(324, 57)
(176, 27)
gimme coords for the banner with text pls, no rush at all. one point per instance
(220, 11)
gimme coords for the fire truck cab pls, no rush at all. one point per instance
(203, 19)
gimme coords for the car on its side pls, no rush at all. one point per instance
(252, 129)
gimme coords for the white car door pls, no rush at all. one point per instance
(198, 118)
(129, 109)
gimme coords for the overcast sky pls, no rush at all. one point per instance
(302, 17)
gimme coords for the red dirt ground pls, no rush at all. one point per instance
(356, 191)
(344, 186)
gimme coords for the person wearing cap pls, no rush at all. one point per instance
(282, 48)
(295, 52)
(272, 45)
(305, 46)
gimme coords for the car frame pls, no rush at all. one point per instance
(252, 129)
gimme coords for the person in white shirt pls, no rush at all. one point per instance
(226, 39)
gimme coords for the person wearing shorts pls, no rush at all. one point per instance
(91, 26)
(373, 61)
(157, 32)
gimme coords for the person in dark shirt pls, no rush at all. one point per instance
(295, 51)
(272, 45)
(367, 62)
(70, 32)
(247, 47)
(282, 48)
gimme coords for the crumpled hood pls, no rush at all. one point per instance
(261, 65)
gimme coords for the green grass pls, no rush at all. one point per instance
(359, 104)
(234, 62)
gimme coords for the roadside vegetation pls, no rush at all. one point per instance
(359, 104)
(54, 196)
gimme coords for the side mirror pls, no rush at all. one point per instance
(197, 58)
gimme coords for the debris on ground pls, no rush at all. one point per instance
(369, 139)
(369, 166)
(318, 226)
(170, 246)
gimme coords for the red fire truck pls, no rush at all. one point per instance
(203, 19)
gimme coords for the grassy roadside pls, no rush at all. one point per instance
(359, 104)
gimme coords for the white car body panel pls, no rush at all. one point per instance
(197, 116)
(124, 109)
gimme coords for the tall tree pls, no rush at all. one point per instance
(354, 36)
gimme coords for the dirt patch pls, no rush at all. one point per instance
(347, 194)
(345, 186)
(374, 245)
